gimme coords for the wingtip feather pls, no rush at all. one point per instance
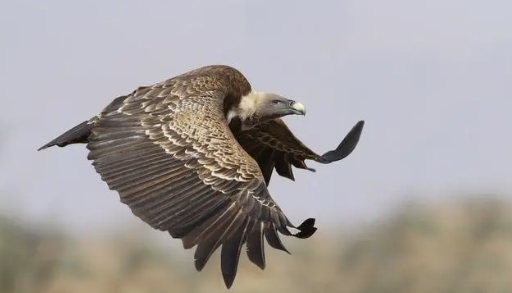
(306, 229)
(256, 247)
(346, 147)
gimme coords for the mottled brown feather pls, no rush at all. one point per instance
(273, 146)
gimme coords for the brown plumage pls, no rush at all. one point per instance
(193, 156)
(273, 146)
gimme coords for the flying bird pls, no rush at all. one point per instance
(193, 155)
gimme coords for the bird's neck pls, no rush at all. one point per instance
(245, 112)
(250, 122)
(241, 122)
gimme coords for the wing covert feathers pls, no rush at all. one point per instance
(169, 153)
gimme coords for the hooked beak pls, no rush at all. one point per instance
(297, 108)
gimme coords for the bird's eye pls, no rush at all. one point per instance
(275, 102)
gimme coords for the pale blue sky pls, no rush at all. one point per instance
(432, 79)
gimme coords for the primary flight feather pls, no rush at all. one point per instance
(193, 155)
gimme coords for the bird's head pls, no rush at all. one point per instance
(263, 106)
(275, 106)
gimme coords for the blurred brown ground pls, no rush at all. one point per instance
(451, 247)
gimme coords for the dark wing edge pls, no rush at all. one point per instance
(79, 134)
(346, 147)
(273, 145)
(75, 135)
(173, 186)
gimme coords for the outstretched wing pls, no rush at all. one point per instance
(273, 145)
(168, 151)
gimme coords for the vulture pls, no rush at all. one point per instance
(193, 155)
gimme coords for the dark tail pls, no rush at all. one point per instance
(77, 134)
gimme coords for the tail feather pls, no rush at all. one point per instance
(77, 134)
